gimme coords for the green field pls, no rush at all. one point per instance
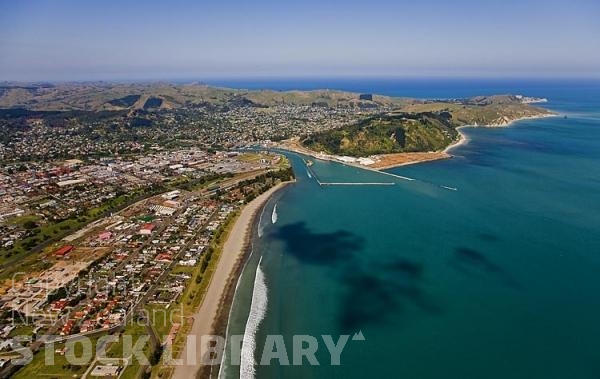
(61, 368)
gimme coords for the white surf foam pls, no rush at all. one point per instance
(260, 224)
(258, 310)
(224, 366)
(274, 214)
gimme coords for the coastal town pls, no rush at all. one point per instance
(39, 137)
(90, 248)
(299, 189)
(113, 220)
(113, 223)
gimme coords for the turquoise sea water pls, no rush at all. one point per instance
(498, 279)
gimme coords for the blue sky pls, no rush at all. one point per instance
(119, 40)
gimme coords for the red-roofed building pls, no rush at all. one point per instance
(59, 305)
(147, 228)
(163, 257)
(87, 325)
(64, 250)
(66, 330)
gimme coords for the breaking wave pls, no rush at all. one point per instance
(260, 224)
(274, 214)
(258, 310)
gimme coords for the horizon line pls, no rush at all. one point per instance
(274, 78)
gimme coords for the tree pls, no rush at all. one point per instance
(400, 136)
(30, 225)
(155, 358)
(204, 265)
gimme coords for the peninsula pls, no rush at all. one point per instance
(417, 131)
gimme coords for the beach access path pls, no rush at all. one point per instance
(233, 249)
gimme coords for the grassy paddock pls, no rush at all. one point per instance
(61, 367)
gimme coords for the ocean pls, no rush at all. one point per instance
(496, 279)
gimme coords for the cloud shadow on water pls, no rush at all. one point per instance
(386, 290)
(373, 293)
(408, 279)
(369, 299)
(474, 263)
(319, 248)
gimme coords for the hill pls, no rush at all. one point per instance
(108, 96)
(386, 134)
(420, 126)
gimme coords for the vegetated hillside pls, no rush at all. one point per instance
(420, 125)
(402, 132)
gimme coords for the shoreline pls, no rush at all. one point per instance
(210, 314)
(413, 158)
(221, 322)
(463, 139)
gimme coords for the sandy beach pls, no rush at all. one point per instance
(387, 161)
(233, 251)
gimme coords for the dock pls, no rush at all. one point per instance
(357, 184)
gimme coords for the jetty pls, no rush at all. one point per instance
(357, 184)
(313, 175)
